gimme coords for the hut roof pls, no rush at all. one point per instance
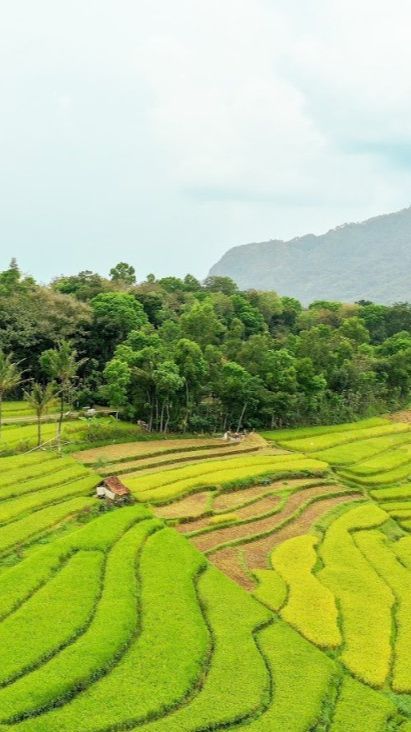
(116, 486)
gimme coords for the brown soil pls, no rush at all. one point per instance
(194, 505)
(256, 554)
(207, 542)
(403, 416)
(234, 560)
(174, 459)
(230, 562)
(230, 500)
(145, 447)
(262, 506)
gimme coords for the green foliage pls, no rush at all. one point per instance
(327, 363)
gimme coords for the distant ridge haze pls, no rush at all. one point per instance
(370, 260)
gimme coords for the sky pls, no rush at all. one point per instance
(163, 132)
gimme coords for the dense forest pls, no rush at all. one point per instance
(188, 356)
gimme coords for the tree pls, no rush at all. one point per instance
(201, 324)
(238, 390)
(220, 283)
(10, 378)
(117, 375)
(39, 398)
(83, 286)
(62, 364)
(193, 368)
(123, 274)
(115, 315)
(167, 382)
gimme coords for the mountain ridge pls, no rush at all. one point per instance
(367, 260)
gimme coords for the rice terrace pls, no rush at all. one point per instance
(264, 584)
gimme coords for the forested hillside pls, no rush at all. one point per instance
(185, 356)
(367, 260)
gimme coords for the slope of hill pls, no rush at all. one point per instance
(368, 260)
(129, 618)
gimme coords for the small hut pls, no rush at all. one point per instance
(112, 489)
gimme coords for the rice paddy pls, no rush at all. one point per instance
(259, 585)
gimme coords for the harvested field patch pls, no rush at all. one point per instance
(188, 507)
(145, 448)
(230, 561)
(231, 500)
(175, 458)
(129, 450)
(260, 507)
(247, 531)
(403, 416)
(256, 553)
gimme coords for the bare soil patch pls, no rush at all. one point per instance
(209, 541)
(263, 505)
(256, 554)
(170, 460)
(403, 416)
(232, 499)
(230, 562)
(190, 506)
(145, 447)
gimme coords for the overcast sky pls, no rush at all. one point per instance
(163, 132)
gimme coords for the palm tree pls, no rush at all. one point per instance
(61, 364)
(40, 398)
(10, 377)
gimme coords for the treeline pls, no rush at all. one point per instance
(190, 356)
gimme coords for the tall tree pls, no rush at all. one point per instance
(39, 398)
(123, 274)
(10, 377)
(62, 364)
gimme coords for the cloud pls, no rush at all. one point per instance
(164, 132)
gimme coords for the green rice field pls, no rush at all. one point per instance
(262, 588)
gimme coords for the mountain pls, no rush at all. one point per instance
(358, 261)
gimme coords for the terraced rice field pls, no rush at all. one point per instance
(253, 590)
